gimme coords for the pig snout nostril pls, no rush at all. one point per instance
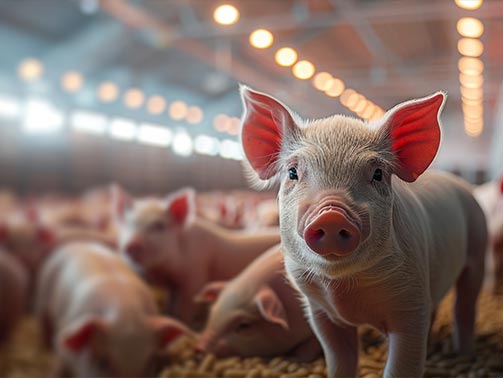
(344, 234)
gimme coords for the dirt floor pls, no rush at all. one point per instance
(24, 357)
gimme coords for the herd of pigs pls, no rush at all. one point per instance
(360, 235)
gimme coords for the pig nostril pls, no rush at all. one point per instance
(345, 234)
(318, 233)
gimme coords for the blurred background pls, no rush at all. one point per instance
(145, 92)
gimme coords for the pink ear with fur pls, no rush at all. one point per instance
(414, 132)
(181, 206)
(80, 335)
(271, 307)
(264, 122)
(168, 330)
(210, 292)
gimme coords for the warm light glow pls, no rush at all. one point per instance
(134, 98)
(469, 4)
(467, 101)
(156, 105)
(108, 91)
(322, 81)
(178, 110)
(368, 111)
(303, 70)
(88, 122)
(182, 144)
(473, 129)
(470, 66)
(470, 27)
(286, 56)
(261, 38)
(72, 81)
(206, 145)
(470, 47)
(346, 95)
(235, 126)
(30, 69)
(336, 88)
(122, 129)
(222, 123)
(41, 117)
(361, 104)
(226, 14)
(471, 93)
(353, 100)
(469, 81)
(194, 115)
(155, 135)
(473, 110)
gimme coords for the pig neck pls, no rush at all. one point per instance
(223, 252)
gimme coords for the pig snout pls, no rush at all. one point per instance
(135, 250)
(212, 344)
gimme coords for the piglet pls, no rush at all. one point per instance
(368, 237)
(490, 197)
(101, 318)
(258, 313)
(13, 287)
(172, 248)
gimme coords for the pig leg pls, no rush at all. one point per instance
(407, 352)
(340, 344)
(307, 351)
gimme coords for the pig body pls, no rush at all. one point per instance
(366, 239)
(258, 313)
(165, 242)
(101, 317)
(490, 197)
(13, 286)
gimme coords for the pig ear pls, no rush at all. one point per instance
(80, 334)
(122, 201)
(168, 330)
(271, 307)
(265, 123)
(181, 206)
(413, 130)
(210, 292)
(46, 236)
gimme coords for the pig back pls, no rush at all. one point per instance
(451, 216)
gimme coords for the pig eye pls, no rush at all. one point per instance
(292, 174)
(243, 326)
(377, 175)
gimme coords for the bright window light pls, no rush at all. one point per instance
(156, 135)
(41, 117)
(230, 149)
(122, 129)
(10, 107)
(182, 144)
(206, 145)
(88, 122)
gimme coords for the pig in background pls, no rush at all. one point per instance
(100, 317)
(365, 238)
(258, 313)
(13, 292)
(171, 247)
(490, 197)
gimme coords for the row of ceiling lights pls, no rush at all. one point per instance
(471, 68)
(31, 70)
(304, 69)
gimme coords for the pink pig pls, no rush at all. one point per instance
(103, 318)
(365, 238)
(490, 197)
(13, 287)
(258, 313)
(172, 248)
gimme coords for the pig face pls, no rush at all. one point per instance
(245, 324)
(92, 347)
(150, 229)
(336, 194)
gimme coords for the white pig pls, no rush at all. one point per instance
(490, 197)
(258, 313)
(172, 248)
(102, 318)
(365, 238)
(13, 287)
